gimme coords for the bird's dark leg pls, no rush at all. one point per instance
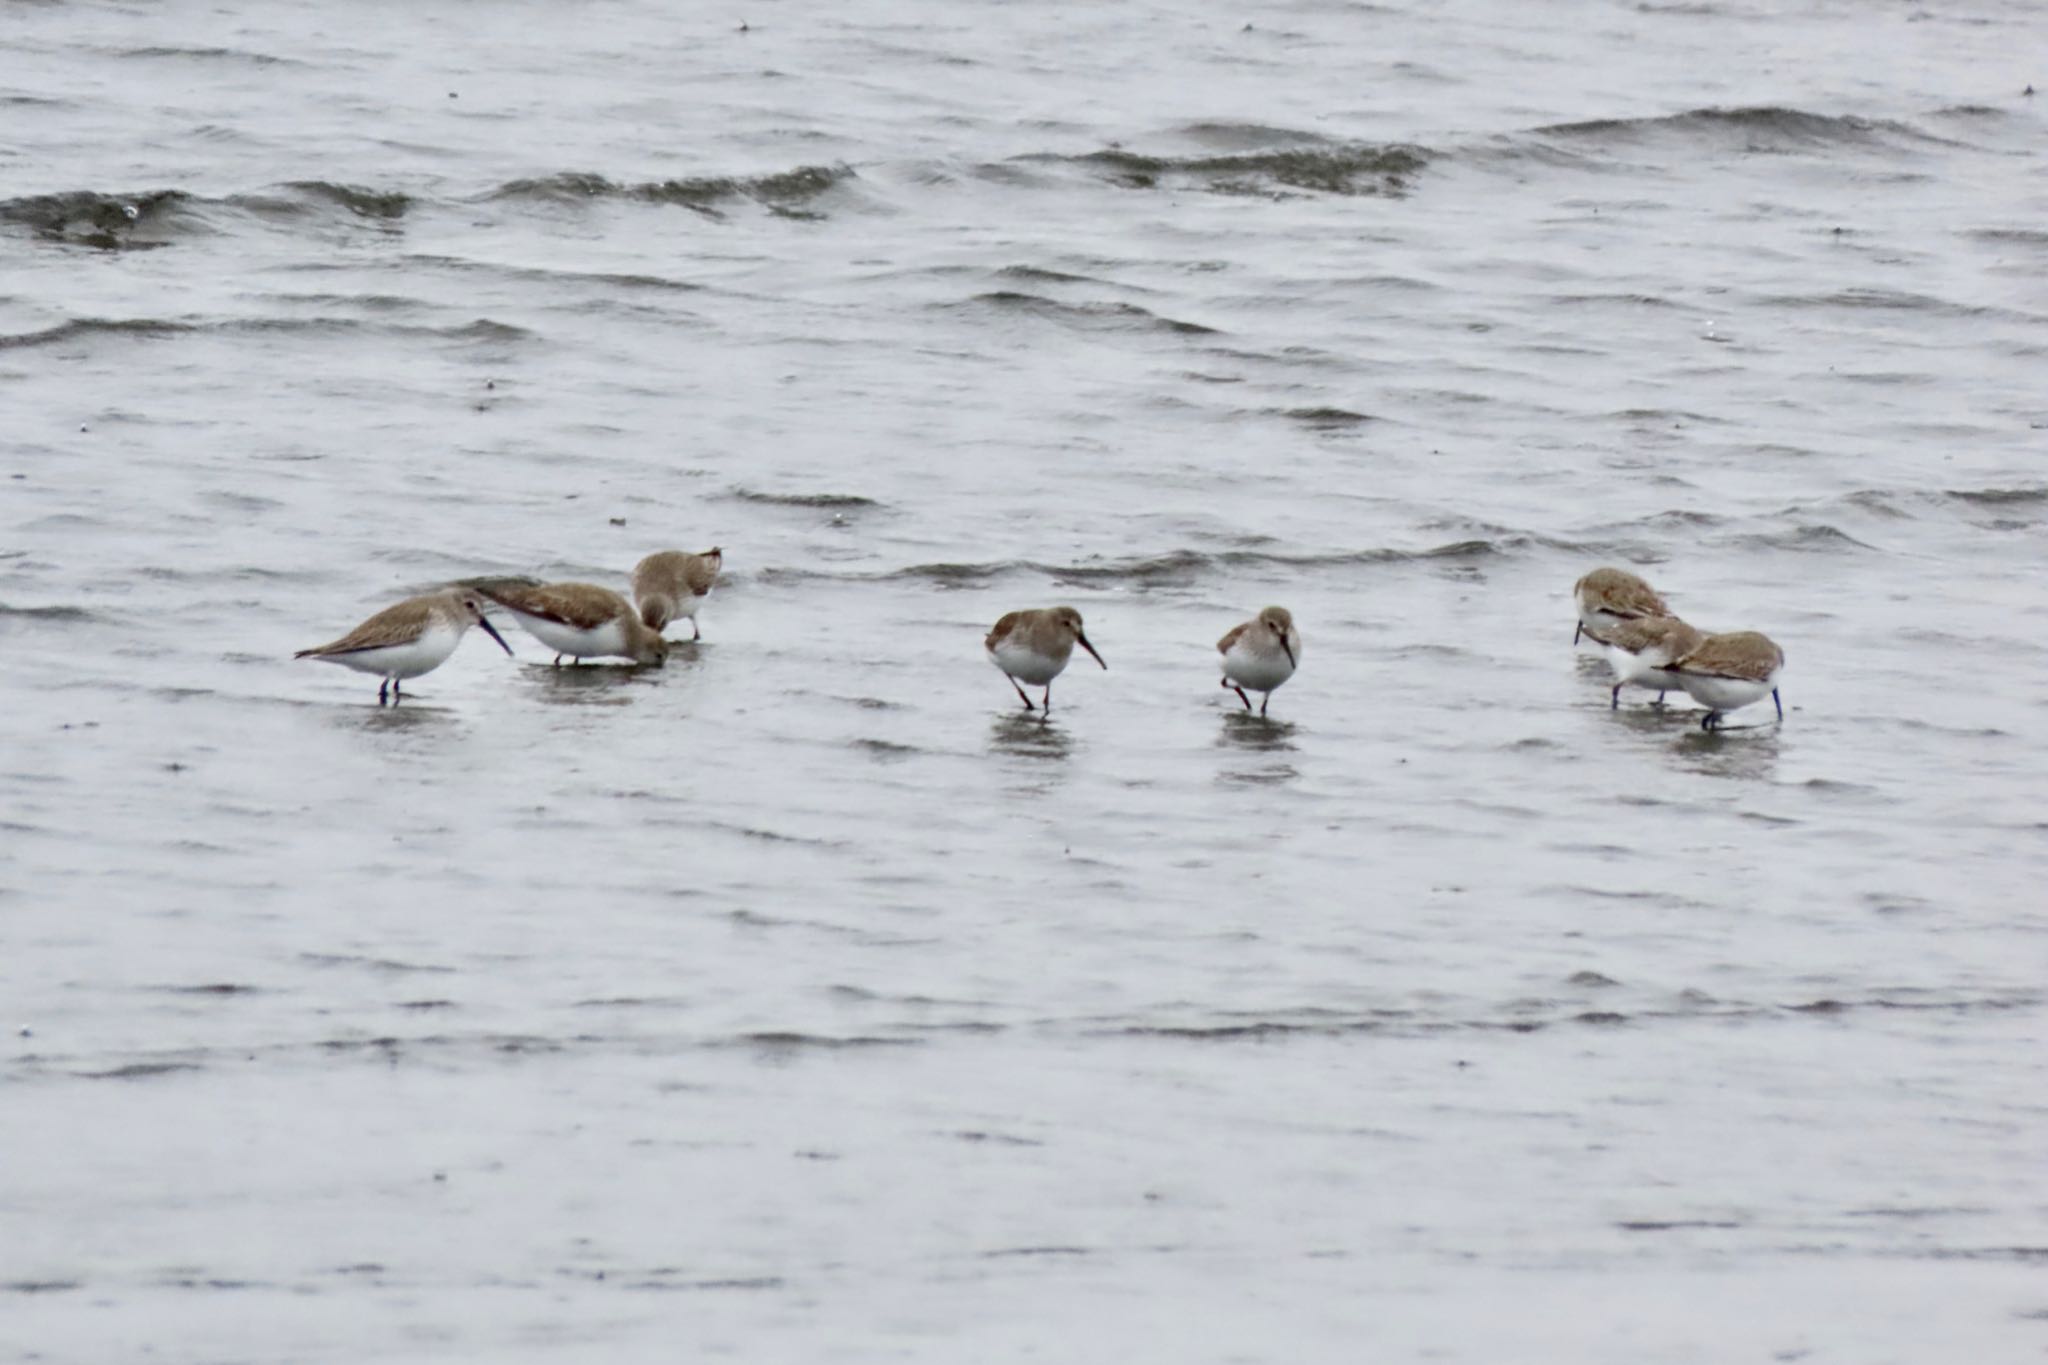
(1775, 702)
(383, 690)
(1240, 693)
(1659, 703)
(1263, 703)
(558, 661)
(696, 631)
(1614, 698)
(1710, 721)
(1022, 693)
(397, 691)
(1046, 700)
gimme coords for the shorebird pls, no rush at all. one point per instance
(1724, 672)
(408, 639)
(1034, 646)
(1607, 597)
(1642, 652)
(580, 620)
(671, 584)
(1260, 654)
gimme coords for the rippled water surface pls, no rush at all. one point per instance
(1447, 1014)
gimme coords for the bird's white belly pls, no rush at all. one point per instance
(409, 660)
(1662, 679)
(1026, 665)
(1641, 671)
(607, 639)
(1725, 694)
(1259, 671)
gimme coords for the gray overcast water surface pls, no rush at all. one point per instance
(1450, 1015)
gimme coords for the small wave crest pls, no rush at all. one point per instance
(1808, 538)
(1335, 169)
(157, 218)
(481, 330)
(1175, 568)
(301, 197)
(80, 328)
(92, 218)
(1111, 316)
(789, 193)
(1759, 128)
(834, 501)
(233, 55)
(66, 614)
(2000, 497)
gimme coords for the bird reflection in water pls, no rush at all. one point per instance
(413, 718)
(1254, 735)
(1245, 730)
(1738, 751)
(1744, 752)
(588, 684)
(1029, 736)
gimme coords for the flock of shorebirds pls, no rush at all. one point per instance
(589, 621)
(577, 620)
(1650, 647)
(1647, 645)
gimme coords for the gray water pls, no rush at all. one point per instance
(1449, 1015)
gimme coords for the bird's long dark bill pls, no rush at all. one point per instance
(1289, 650)
(1083, 641)
(492, 631)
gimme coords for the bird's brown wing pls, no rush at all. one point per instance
(1644, 632)
(1744, 655)
(584, 606)
(658, 573)
(699, 573)
(1620, 592)
(1223, 645)
(395, 625)
(1006, 623)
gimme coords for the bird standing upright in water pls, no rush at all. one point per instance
(1034, 646)
(408, 639)
(670, 585)
(1260, 654)
(1724, 672)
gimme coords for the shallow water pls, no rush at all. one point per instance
(811, 977)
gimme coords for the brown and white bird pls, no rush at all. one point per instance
(580, 620)
(671, 584)
(1260, 654)
(1606, 597)
(1034, 646)
(1723, 672)
(1642, 652)
(413, 637)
